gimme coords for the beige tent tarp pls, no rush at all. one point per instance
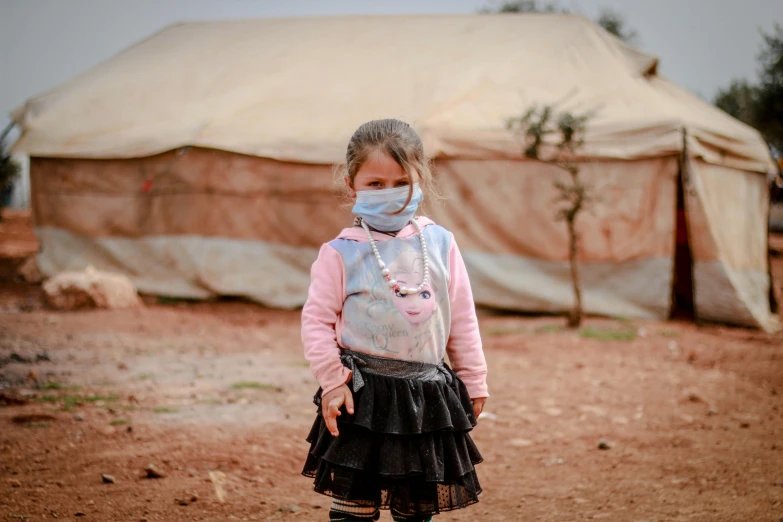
(295, 89)
(197, 161)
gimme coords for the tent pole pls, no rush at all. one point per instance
(773, 301)
(687, 192)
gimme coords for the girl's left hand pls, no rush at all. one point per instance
(478, 406)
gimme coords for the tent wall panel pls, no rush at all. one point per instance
(727, 212)
(216, 223)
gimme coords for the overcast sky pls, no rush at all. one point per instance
(702, 44)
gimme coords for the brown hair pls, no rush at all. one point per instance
(395, 138)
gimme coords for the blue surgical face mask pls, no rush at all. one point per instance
(377, 207)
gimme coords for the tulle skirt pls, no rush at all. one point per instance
(406, 447)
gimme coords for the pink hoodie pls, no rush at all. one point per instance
(350, 305)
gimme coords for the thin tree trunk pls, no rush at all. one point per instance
(575, 320)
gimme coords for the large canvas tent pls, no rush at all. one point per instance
(198, 161)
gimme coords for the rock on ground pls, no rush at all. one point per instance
(90, 288)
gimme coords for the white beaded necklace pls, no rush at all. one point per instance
(385, 271)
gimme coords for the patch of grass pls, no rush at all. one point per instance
(211, 400)
(165, 409)
(38, 424)
(71, 401)
(120, 422)
(123, 407)
(145, 376)
(602, 334)
(104, 398)
(253, 385)
(549, 328)
(504, 330)
(52, 385)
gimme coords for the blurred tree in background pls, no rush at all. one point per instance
(523, 6)
(609, 19)
(615, 23)
(9, 173)
(739, 100)
(760, 105)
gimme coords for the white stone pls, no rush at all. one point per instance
(553, 412)
(90, 288)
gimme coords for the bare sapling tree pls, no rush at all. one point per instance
(555, 138)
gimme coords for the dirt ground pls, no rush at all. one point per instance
(217, 397)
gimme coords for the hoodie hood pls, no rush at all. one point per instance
(358, 233)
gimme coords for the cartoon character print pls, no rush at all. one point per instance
(417, 309)
(378, 305)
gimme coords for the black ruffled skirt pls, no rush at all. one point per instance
(406, 447)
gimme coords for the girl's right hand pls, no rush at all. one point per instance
(330, 406)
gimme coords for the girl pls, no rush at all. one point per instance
(388, 299)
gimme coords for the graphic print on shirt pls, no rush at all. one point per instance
(417, 309)
(380, 321)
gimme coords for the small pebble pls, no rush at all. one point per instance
(108, 479)
(604, 445)
(186, 501)
(153, 472)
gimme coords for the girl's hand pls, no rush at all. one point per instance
(330, 406)
(478, 406)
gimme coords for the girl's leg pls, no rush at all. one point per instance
(353, 511)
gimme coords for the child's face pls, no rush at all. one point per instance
(379, 172)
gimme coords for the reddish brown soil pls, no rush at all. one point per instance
(693, 416)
